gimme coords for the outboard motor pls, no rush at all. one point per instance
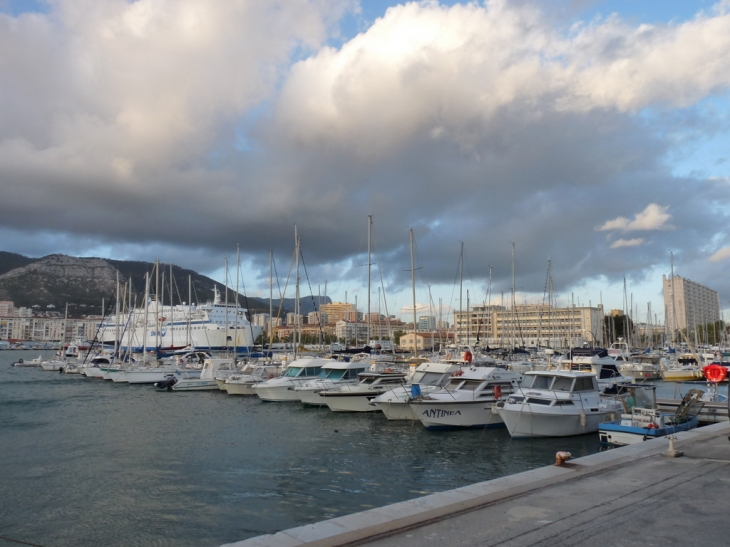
(167, 383)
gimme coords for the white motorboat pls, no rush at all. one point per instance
(429, 377)
(28, 363)
(243, 383)
(53, 365)
(203, 380)
(642, 367)
(333, 376)
(467, 399)
(556, 403)
(299, 371)
(357, 397)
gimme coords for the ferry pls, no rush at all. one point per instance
(214, 326)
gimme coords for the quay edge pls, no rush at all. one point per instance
(380, 526)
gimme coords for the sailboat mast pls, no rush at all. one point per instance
(461, 283)
(116, 329)
(370, 225)
(514, 326)
(238, 276)
(271, 301)
(296, 292)
(413, 289)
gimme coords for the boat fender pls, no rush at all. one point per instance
(468, 356)
(583, 418)
(495, 408)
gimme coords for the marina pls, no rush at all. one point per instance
(114, 463)
(87, 462)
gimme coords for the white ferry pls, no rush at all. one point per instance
(211, 326)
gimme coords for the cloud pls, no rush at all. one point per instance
(191, 126)
(720, 255)
(654, 217)
(635, 242)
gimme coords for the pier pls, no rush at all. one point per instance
(633, 495)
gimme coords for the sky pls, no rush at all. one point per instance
(591, 135)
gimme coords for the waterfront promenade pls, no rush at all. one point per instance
(626, 496)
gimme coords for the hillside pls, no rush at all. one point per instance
(54, 280)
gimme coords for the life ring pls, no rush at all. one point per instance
(448, 356)
(648, 374)
(497, 392)
(458, 373)
(715, 373)
(468, 356)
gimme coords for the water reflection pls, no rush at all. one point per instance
(88, 462)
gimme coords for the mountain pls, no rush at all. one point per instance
(50, 282)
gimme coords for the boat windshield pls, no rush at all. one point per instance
(534, 381)
(291, 372)
(471, 385)
(427, 378)
(332, 374)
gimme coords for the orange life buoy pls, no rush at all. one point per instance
(715, 373)
(468, 356)
(497, 392)
(647, 374)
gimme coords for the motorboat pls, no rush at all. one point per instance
(642, 420)
(645, 367)
(357, 397)
(467, 399)
(428, 377)
(688, 368)
(29, 363)
(251, 375)
(53, 365)
(299, 371)
(619, 347)
(203, 380)
(556, 403)
(332, 376)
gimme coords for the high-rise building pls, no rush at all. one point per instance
(7, 308)
(688, 304)
(337, 311)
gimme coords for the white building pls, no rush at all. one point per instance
(530, 325)
(688, 304)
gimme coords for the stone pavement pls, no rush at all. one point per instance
(631, 496)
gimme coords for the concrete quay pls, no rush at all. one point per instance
(626, 496)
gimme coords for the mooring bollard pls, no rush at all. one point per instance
(562, 457)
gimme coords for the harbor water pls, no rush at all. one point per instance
(86, 462)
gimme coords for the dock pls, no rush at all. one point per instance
(633, 495)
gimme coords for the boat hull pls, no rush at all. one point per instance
(522, 423)
(620, 435)
(240, 388)
(352, 401)
(440, 415)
